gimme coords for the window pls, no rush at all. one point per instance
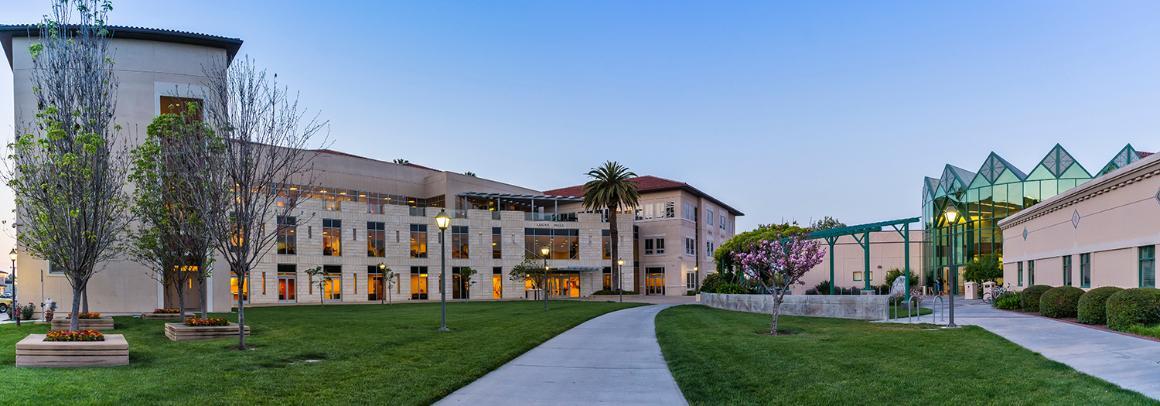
(709, 248)
(1085, 270)
(287, 239)
(606, 278)
(374, 205)
(375, 288)
(419, 242)
(606, 244)
(670, 210)
(497, 282)
(376, 239)
(418, 283)
(330, 202)
(691, 281)
(459, 237)
(245, 290)
(654, 246)
(460, 282)
(1148, 266)
(1031, 272)
(1019, 269)
(332, 237)
(722, 222)
(496, 243)
(690, 246)
(178, 106)
(1067, 270)
(857, 276)
(332, 282)
(563, 243)
(688, 211)
(287, 283)
(709, 216)
(648, 211)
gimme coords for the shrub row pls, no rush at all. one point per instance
(1120, 309)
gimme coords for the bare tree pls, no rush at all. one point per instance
(68, 170)
(264, 163)
(175, 161)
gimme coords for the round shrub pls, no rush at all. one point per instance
(728, 288)
(1091, 307)
(1061, 302)
(1008, 301)
(1031, 297)
(1130, 307)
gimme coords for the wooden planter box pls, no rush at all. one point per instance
(101, 324)
(182, 332)
(162, 316)
(33, 351)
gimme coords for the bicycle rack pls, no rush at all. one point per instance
(914, 309)
(938, 311)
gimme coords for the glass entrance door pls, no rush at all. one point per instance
(564, 285)
(287, 289)
(654, 281)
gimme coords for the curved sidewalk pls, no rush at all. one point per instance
(611, 359)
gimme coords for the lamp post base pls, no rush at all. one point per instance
(443, 329)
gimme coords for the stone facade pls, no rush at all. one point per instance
(859, 307)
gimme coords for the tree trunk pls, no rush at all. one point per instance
(242, 291)
(613, 244)
(85, 297)
(201, 291)
(776, 311)
(180, 290)
(74, 316)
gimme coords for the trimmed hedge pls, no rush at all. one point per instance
(1130, 307)
(1031, 297)
(1092, 308)
(1061, 302)
(1009, 300)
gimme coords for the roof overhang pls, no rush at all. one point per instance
(518, 196)
(230, 45)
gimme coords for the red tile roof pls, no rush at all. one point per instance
(649, 184)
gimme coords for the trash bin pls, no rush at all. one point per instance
(970, 290)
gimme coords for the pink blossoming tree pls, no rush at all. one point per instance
(777, 265)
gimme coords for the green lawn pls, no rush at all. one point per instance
(922, 311)
(724, 357)
(337, 354)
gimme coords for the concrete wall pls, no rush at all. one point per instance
(1109, 217)
(864, 307)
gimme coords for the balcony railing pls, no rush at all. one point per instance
(536, 216)
(459, 213)
(495, 215)
(418, 211)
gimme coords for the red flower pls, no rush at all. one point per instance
(195, 321)
(79, 335)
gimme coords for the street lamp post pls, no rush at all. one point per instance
(442, 220)
(15, 308)
(544, 289)
(619, 282)
(952, 216)
(382, 281)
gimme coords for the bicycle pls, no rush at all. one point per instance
(989, 295)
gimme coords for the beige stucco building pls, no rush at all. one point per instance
(1101, 233)
(357, 213)
(675, 231)
(887, 252)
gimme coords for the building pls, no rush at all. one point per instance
(357, 214)
(676, 229)
(997, 191)
(887, 252)
(1101, 233)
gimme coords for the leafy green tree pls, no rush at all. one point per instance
(534, 271)
(826, 223)
(466, 275)
(319, 277)
(725, 253)
(984, 268)
(172, 235)
(611, 188)
(67, 173)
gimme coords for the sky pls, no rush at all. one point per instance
(784, 110)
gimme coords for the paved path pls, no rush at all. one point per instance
(1130, 362)
(612, 359)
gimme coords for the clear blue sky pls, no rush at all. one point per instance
(783, 110)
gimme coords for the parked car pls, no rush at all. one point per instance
(5, 303)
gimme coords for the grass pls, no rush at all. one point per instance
(724, 357)
(1145, 330)
(922, 311)
(337, 354)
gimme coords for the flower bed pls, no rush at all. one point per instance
(37, 350)
(195, 321)
(101, 323)
(167, 310)
(79, 335)
(186, 332)
(88, 315)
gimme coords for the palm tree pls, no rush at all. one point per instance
(611, 188)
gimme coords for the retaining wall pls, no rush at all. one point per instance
(860, 307)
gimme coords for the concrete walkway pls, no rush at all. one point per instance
(612, 359)
(1129, 362)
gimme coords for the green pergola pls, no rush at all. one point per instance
(861, 234)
